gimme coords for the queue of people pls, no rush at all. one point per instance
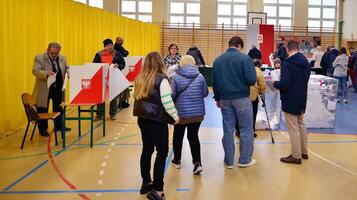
(178, 99)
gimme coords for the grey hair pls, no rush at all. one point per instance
(54, 45)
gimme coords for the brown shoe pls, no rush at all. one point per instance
(291, 160)
(305, 156)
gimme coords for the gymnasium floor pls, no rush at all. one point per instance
(110, 170)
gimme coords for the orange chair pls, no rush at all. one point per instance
(32, 115)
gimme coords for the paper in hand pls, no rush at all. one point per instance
(51, 80)
(275, 74)
(65, 82)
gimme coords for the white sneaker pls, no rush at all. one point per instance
(176, 164)
(197, 168)
(251, 163)
(345, 101)
(228, 166)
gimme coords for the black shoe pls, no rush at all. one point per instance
(153, 195)
(124, 104)
(197, 168)
(65, 129)
(97, 118)
(146, 187)
(176, 164)
(44, 134)
(305, 156)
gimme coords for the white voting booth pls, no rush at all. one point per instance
(94, 83)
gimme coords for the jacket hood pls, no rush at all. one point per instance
(299, 60)
(188, 71)
(334, 52)
(193, 49)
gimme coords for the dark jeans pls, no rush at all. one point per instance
(255, 111)
(56, 96)
(153, 134)
(113, 109)
(192, 136)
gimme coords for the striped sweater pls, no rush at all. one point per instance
(166, 100)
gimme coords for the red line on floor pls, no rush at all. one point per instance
(58, 171)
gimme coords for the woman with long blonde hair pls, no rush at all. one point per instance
(155, 109)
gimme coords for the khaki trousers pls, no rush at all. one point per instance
(298, 135)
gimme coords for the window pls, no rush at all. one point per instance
(232, 12)
(322, 15)
(93, 3)
(280, 12)
(137, 9)
(185, 11)
(81, 1)
(96, 3)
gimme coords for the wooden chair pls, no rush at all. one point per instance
(32, 115)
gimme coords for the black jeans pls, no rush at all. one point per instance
(255, 111)
(154, 134)
(192, 136)
(113, 109)
(56, 96)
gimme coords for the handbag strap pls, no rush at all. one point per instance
(189, 84)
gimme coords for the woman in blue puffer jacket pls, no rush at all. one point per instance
(189, 88)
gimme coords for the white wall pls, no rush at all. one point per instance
(349, 18)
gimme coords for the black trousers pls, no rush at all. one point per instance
(154, 134)
(192, 136)
(255, 112)
(56, 96)
(113, 109)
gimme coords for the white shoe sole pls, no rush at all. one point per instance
(251, 163)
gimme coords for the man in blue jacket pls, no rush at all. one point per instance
(233, 73)
(294, 77)
(329, 59)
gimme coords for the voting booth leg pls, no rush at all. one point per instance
(104, 120)
(79, 121)
(63, 128)
(91, 125)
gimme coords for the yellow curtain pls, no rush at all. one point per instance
(27, 26)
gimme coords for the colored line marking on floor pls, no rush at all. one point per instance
(44, 162)
(134, 190)
(59, 172)
(168, 160)
(219, 143)
(327, 160)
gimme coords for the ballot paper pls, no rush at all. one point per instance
(51, 80)
(65, 82)
(275, 74)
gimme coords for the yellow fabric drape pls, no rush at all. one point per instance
(26, 28)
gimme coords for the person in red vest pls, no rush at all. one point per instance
(110, 56)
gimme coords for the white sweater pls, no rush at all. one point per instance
(341, 65)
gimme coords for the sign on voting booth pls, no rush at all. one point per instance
(94, 83)
(88, 83)
(117, 82)
(133, 66)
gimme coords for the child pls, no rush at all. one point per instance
(155, 109)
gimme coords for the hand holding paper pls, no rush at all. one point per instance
(50, 80)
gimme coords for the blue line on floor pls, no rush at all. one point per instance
(44, 162)
(168, 160)
(82, 191)
(257, 143)
(183, 189)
